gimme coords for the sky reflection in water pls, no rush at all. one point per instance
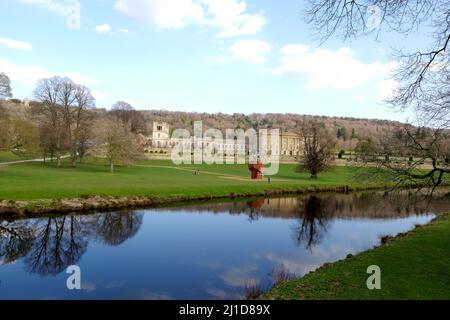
(208, 251)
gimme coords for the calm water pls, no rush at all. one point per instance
(208, 251)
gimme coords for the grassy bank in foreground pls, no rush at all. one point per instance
(153, 178)
(413, 266)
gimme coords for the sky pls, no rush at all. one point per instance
(229, 56)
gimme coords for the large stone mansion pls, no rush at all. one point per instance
(289, 144)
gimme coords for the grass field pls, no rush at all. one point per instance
(151, 178)
(421, 272)
(6, 156)
(413, 266)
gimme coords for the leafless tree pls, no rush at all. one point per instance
(423, 75)
(47, 143)
(65, 118)
(48, 92)
(318, 147)
(118, 144)
(428, 153)
(125, 112)
(84, 101)
(66, 100)
(5, 86)
(122, 111)
(366, 149)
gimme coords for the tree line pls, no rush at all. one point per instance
(62, 123)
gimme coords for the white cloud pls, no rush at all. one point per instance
(28, 74)
(103, 28)
(15, 44)
(127, 32)
(241, 276)
(251, 50)
(163, 14)
(99, 96)
(81, 78)
(25, 73)
(70, 9)
(358, 98)
(230, 16)
(323, 68)
(386, 88)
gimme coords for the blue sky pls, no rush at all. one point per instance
(197, 55)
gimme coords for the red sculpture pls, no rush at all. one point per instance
(258, 204)
(256, 170)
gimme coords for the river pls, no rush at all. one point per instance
(215, 250)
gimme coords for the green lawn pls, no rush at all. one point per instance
(152, 178)
(7, 156)
(413, 266)
(421, 272)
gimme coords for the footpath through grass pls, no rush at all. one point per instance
(413, 266)
(159, 178)
(7, 156)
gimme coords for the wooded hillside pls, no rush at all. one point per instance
(348, 131)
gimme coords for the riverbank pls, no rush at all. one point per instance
(110, 203)
(37, 188)
(414, 265)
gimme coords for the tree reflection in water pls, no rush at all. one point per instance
(16, 238)
(314, 221)
(59, 242)
(50, 245)
(115, 228)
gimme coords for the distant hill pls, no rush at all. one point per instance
(348, 130)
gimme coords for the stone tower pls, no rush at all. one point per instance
(160, 135)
